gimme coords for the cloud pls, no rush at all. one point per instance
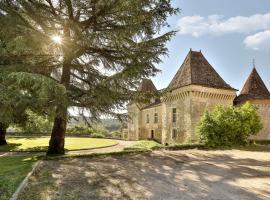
(258, 41)
(217, 25)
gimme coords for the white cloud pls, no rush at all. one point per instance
(216, 24)
(258, 41)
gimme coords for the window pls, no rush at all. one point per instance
(147, 118)
(174, 134)
(156, 118)
(174, 115)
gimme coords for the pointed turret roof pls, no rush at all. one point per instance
(254, 88)
(196, 70)
(147, 86)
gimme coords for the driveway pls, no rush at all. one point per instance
(191, 174)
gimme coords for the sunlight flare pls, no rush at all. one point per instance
(57, 39)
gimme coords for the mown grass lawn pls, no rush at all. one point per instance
(12, 171)
(41, 143)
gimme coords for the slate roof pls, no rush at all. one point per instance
(254, 88)
(196, 70)
(147, 86)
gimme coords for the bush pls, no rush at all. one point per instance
(116, 134)
(81, 129)
(98, 135)
(229, 126)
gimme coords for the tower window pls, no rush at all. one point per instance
(147, 118)
(174, 115)
(174, 134)
(156, 118)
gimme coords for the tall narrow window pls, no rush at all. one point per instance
(174, 134)
(174, 115)
(156, 118)
(147, 118)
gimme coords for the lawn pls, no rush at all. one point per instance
(12, 171)
(41, 143)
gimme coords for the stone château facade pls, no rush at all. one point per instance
(195, 88)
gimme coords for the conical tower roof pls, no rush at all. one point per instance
(147, 86)
(196, 70)
(254, 88)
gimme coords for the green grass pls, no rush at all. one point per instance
(41, 143)
(254, 147)
(12, 171)
(145, 144)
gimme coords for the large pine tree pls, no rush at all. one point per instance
(98, 50)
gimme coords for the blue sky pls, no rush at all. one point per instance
(230, 34)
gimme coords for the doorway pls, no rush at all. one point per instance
(152, 134)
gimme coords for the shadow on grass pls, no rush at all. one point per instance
(15, 147)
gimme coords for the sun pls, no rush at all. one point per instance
(57, 39)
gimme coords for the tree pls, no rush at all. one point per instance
(228, 126)
(101, 50)
(11, 107)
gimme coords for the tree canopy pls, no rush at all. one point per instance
(97, 50)
(229, 126)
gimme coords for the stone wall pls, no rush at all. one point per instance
(147, 128)
(263, 107)
(191, 103)
(134, 117)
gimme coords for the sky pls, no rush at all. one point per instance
(230, 34)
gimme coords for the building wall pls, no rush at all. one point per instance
(147, 128)
(134, 118)
(263, 106)
(191, 102)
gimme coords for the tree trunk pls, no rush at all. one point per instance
(3, 130)
(57, 141)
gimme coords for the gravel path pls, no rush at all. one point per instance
(168, 175)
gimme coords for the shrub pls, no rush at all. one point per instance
(98, 135)
(229, 126)
(81, 129)
(116, 134)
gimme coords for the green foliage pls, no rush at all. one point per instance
(229, 126)
(37, 123)
(116, 134)
(98, 135)
(81, 129)
(122, 38)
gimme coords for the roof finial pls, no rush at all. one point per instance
(254, 63)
